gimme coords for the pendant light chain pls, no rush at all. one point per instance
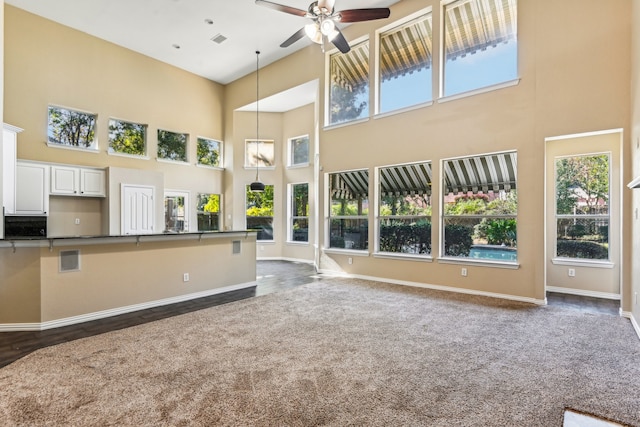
(257, 112)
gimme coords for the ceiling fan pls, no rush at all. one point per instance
(324, 17)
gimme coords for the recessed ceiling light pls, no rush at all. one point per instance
(175, 46)
(208, 21)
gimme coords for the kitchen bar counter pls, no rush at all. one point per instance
(58, 281)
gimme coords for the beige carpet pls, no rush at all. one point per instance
(338, 352)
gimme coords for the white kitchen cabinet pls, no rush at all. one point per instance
(32, 188)
(77, 181)
(8, 157)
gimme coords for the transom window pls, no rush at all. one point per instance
(582, 207)
(299, 151)
(480, 207)
(172, 145)
(480, 44)
(209, 152)
(127, 138)
(405, 64)
(404, 209)
(71, 128)
(259, 152)
(260, 211)
(299, 212)
(349, 84)
(349, 210)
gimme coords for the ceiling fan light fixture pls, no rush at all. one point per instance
(327, 27)
(313, 32)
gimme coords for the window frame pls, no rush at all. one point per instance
(329, 217)
(378, 217)
(186, 195)
(93, 148)
(220, 158)
(327, 89)
(377, 78)
(113, 152)
(291, 152)
(291, 218)
(450, 259)
(186, 147)
(444, 97)
(247, 161)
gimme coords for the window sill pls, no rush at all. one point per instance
(478, 91)
(403, 256)
(70, 147)
(353, 252)
(582, 263)
(403, 110)
(297, 243)
(298, 166)
(479, 263)
(262, 168)
(173, 162)
(216, 168)
(340, 125)
(130, 156)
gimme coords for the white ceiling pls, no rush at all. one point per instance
(153, 27)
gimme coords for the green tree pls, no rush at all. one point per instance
(345, 104)
(127, 138)
(74, 128)
(301, 200)
(260, 203)
(172, 146)
(582, 178)
(208, 152)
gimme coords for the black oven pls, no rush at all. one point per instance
(25, 226)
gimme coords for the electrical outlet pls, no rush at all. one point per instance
(572, 272)
(185, 277)
(77, 221)
(463, 272)
(635, 298)
(350, 260)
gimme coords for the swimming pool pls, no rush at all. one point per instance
(493, 252)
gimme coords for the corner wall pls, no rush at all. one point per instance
(635, 150)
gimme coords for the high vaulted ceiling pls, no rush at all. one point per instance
(180, 32)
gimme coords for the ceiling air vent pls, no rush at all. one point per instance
(218, 38)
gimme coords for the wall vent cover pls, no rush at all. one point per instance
(236, 246)
(70, 260)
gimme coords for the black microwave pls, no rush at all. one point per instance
(25, 226)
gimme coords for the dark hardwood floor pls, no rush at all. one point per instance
(272, 276)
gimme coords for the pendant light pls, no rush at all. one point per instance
(257, 185)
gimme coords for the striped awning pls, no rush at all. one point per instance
(475, 25)
(491, 172)
(470, 26)
(350, 185)
(406, 180)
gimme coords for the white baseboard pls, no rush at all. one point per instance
(302, 261)
(440, 288)
(15, 327)
(583, 293)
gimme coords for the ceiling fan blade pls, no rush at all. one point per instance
(282, 8)
(341, 43)
(326, 5)
(294, 38)
(359, 15)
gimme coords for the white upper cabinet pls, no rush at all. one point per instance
(76, 181)
(32, 183)
(8, 157)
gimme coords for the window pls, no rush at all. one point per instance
(176, 212)
(259, 152)
(349, 84)
(172, 146)
(299, 151)
(208, 208)
(480, 44)
(209, 152)
(299, 212)
(127, 138)
(405, 65)
(582, 207)
(349, 209)
(480, 206)
(404, 209)
(260, 212)
(71, 128)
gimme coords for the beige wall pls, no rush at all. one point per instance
(20, 285)
(65, 210)
(574, 78)
(47, 63)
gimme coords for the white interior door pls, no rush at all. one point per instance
(137, 209)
